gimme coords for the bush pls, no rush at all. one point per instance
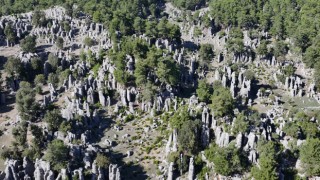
(40, 79)
(102, 161)
(53, 61)
(10, 154)
(249, 75)
(173, 157)
(241, 124)
(204, 91)
(29, 44)
(65, 126)
(88, 42)
(129, 118)
(59, 42)
(38, 18)
(31, 153)
(206, 54)
(38, 89)
(289, 70)
(222, 102)
(292, 129)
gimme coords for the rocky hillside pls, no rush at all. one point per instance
(184, 89)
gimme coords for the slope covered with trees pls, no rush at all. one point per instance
(200, 89)
(294, 19)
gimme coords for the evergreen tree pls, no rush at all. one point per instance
(204, 91)
(29, 44)
(206, 55)
(13, 67)
(38, 18)
(168, 71)
(268, 161)
(227, 161)
(59, 42)
(25, 99)
(10, 33)
(310, 157)
(57, 154)
(222, 102)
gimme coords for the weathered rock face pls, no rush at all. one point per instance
(38, 174)
(170, 171)
(239, 140)
(114, 172)
(191, 169)
(222, 138)
(28, 166)
(253, 157)
(205, 132)
(205, 136)
(38, 171)
(252, 140)
(172, 143)
(102, 99)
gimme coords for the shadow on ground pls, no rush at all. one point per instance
(129, 171)
(8, 106)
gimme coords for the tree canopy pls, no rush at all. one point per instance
(188, 4)
(168, 71)
(222, 101)
(102, 161)
(227, 161)
(268, 161)
(206, 55)
(10, 33)
(13, 67)
(189, 136)
(29, 44)
(53, 119)
(204, 91)
(59, 42)
(310, 157)
(25, 99)
(57, 154)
